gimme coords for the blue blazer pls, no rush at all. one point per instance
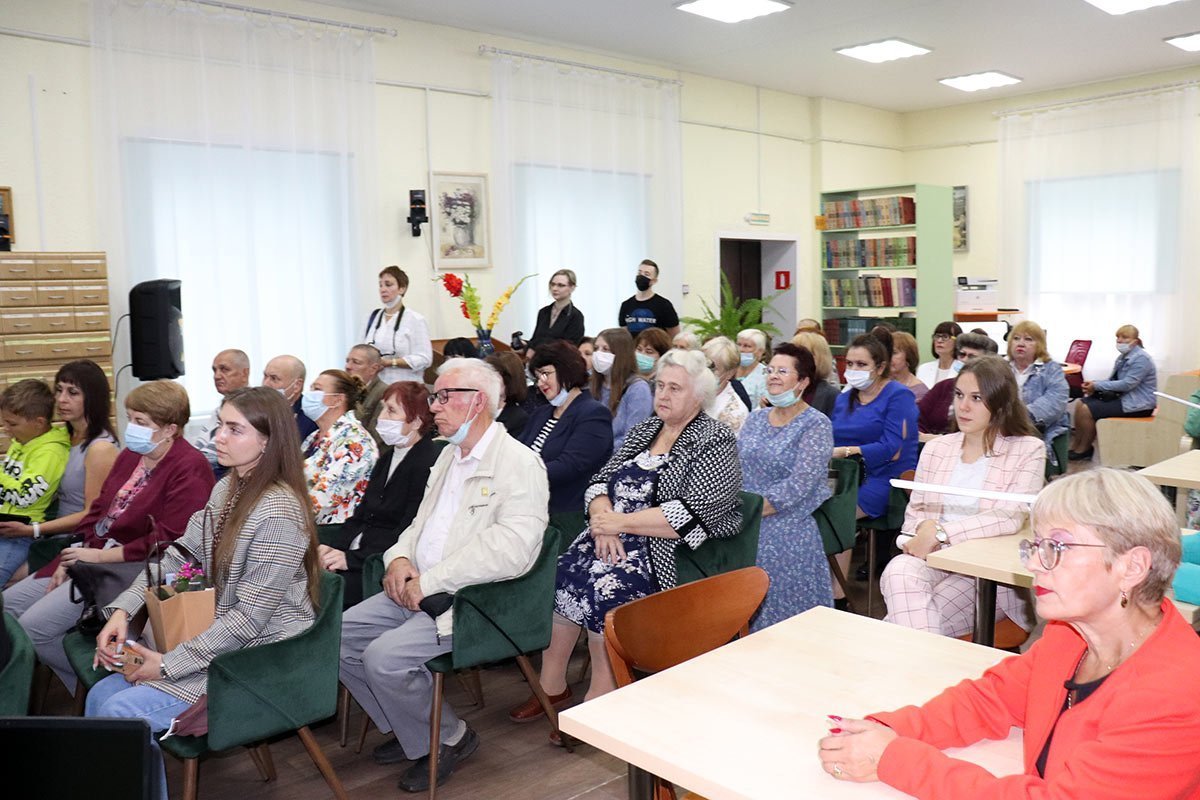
(580, 444)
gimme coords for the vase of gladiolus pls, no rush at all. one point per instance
(472, 306)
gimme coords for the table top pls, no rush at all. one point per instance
(742, 722)
(1071, 369)
(995, 558)
(1182, 471)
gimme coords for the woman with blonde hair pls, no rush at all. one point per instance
(1129, 392)
(1043, 385)
(340, 454)
(726, 406)
(825, 386)
(752, 372)
(1107, 699)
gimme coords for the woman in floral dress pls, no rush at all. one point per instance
(785, 454)
(340, 454)
(675, 479)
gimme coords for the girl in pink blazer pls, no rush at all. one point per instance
(995, 448)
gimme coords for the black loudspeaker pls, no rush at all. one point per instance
(156, 329)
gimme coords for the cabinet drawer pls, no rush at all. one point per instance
(17, 295)
(91, 319)
(54, 270)
(21, 269)
(90, 294)
(56, 293)
(35, 320)
(57, 348)
(88, 268)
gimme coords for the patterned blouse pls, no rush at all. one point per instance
(338, 467)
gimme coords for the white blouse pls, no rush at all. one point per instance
(408, 340)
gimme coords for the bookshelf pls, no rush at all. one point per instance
(886, 254)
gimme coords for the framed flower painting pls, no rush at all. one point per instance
(461, 234)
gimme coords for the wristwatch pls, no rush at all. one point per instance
(942, 537)
(162, 670)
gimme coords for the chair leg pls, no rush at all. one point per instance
(836, 569)
(435, 732)
(343, 712)
(470, 681)
(870, 573)
(191, 778)
(80, 699)
(318, 758)
(41, 685)
(531, 678)
(261, 755)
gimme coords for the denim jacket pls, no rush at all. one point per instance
(1134, 378)
(1046, 394)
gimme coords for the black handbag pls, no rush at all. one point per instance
(95, 585)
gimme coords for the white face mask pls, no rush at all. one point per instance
(859, 378)
(397, 300)
(1123, 347)
(392, 432)
(602, 361)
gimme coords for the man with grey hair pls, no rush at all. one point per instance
(364, 361)
(481, 521)
(285, 374)
(231, 371)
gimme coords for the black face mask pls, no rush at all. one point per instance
(643, 283)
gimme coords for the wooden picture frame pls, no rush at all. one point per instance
(460, 225)
(6, 208)
(961, 242)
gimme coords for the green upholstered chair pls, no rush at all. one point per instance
(327, 533)
(498, 621)
(1059, 444)
(81, 650)
(836, 517)
(261, 692)
(372, 579)
(16, 676)
(883, 529)
(570, 524)
(42, 551)
(722, 555)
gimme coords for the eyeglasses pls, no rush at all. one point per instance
(443, 395)
(942, 337)
(1049, 551)
(782, 372)
(545, 374)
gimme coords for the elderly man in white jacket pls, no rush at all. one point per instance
(481, 521)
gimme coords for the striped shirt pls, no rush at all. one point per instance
(543, 434)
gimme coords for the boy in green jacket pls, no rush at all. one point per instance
(33, 467)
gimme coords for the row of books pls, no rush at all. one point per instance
(843, 330)
(868, 291)
(873, 212)
(894, 251)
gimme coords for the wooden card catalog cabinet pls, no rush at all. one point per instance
(53, 309)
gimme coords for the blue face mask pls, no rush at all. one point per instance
(460, 435)
(312, 403)
(645, 363)
(783, 399)
(746, 359)
(140, 439)
(559, 398)
(956, 366)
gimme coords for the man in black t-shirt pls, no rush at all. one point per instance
(647, 309)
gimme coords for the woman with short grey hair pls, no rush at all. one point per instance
(725, 406)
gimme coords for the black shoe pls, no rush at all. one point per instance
(842, 603)
(1085, 455)
(390, 752)
(416, 777)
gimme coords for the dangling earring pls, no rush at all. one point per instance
(1124, 599)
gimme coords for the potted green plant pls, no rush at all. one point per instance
(732, 315)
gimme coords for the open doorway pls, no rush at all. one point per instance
(759, 267)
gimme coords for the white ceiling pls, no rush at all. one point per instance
(1048, 43)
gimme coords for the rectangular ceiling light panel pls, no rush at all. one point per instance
(1189, 42)
(887, 50)
(733, 10)
(1126, 6)
(980, 80)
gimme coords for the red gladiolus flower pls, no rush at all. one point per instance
(453, 284)
(466, 313)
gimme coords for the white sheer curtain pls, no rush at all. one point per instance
(1098, 213)
(236, 152)
(586, 170)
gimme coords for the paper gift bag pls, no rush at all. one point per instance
(182, 616)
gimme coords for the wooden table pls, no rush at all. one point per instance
(1071, 369)
(742, 722)
(995, 560)
(1182, 472)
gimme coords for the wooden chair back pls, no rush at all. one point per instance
(668, 628)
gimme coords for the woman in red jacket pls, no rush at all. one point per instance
(155, 485)
(1108, 697)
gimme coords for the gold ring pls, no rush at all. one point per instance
(837, 770)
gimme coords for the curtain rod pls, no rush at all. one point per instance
(489, 50)
(294, 17)
(1164, 87)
